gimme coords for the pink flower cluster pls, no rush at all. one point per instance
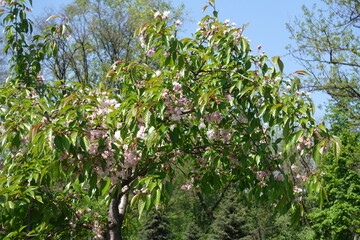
(176, 102)
(278, 176)
(163, 16)
(131, 158)
(151, 52)
(223, 135)
(214, 117)
(260, 175)
(304, 142)
(298, 190)
(189, 184)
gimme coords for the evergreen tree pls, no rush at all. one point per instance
(229, 223)
(339, 217)
(156, 227)
(193, 232)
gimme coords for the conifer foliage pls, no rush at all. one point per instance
(156, 227)
(230, 221)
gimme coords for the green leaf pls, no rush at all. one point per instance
(58, 142)
(66, 100)
(262, 110)
(318, 151)
(158, 197)
(148, 202)
(141, 206)
(286, 130)
(39, 198)
(73, 137)
(65, 143)
(169, 188)
(152, 138)
(85, 144)
(10, 204)
(105, 186)
(337, 146)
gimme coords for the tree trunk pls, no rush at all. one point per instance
(117, 211)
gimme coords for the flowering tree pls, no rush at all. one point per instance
(203, 103)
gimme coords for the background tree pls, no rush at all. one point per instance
(328, 45)
(339, 217)
(103, 33)
(230, 222)
(156, 227)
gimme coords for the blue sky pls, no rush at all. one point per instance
(266, 27)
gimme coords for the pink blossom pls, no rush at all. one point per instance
(150, 52)
(217, 117)
(97, 134)
(211, 133)
(202, 125)
(214, 117)
(79, 212)
(175, 117)
(165, 15)
(157, 14)
(225, 135)
(142, 39)
(178, 23)
(72, 225)
(177, 86)
(278, 176)
(157, 73)
(260, 174)
(166, 54)
(229, 98)
(93, 148)
(141, 133)
(288, 88)
(108, 154)
(262, 183)
(106, 103)
(297, 190)
(40, 78)
(186, 187)
(226, 22)
(298, 199)
(304, 178)
(139, 84)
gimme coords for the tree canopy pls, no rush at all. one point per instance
(204, 106)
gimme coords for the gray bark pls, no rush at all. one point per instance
(117, 210)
